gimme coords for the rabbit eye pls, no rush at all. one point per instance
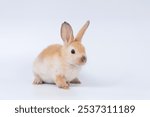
(73, 51)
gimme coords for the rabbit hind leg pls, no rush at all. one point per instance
(75, 81)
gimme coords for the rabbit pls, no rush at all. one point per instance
(60, 64)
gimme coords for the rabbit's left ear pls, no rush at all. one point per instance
(66, 33)
(82, 31)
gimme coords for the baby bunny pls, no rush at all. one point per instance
(60, 64)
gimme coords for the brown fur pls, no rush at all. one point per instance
(61, 82)
(82, 31)
(78, 46)
(52, 50)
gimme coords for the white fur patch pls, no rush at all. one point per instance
(49, 68)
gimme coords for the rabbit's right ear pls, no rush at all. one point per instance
(66, 33)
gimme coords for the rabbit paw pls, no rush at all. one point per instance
(61, 82)
(37, 80)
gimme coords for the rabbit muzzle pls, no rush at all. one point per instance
(83, 59)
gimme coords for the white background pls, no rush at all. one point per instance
(117, 44)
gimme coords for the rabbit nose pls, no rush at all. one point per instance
(83, 59)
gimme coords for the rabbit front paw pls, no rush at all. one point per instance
(61, 82)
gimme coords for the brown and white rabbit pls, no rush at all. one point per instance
(60, 64)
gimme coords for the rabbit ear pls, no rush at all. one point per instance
(66, 33)
(82, 31)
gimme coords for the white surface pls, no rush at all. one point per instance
(117, 43)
